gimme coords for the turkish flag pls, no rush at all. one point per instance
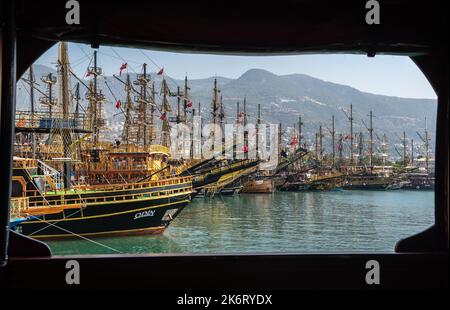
(160, 72)
(163, 116)
(118, 104)
(189, 104)
(245, 148)
(122, 67)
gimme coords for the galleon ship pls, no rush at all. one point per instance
(93, 210)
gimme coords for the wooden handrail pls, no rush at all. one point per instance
(162, 182)
(89, 200)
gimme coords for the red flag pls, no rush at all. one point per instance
(241, 117)
(347, 137)
(163, 116)
(294, 141)
(118, 104)
(160, 72)
(245, 148)
(122, 67)
(189, 104)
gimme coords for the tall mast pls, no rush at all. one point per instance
(361, 148)
(33, 136)
(385, 150)
(245, 111)
(144, 81)
(238, 112)
(95, 101)
(185, 101)
(351, 134)
(214, 113)
(49, 101)
(64, 86)
(215, 103)
(350, 119)
(412, 152)
(405, 163)
(320, 142)
(258, 125)
(152, 132)
(142, 132)
(245, 130)
(221, 114)
(178, 106)
(77, 98)
(427, 145)
(340, 148)
(128, 109)
(333, 133)
(96, 127)
(317, 146)
(371, 141)
(300, 124)
(280, 136)
(165, 131)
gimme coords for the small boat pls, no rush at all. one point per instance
(419, 181)
(367, 181)
(259, 185)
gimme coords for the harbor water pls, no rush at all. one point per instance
(292, 222)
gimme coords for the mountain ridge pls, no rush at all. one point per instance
(284, 98)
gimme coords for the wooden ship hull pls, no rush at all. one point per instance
(102, 210)
(420, 182)
(146, 216)
(259, 186)
(367, 182)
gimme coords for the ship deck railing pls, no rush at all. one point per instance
(148, 149)
(26, 163)
(133, 186)
(45, 152)
(27, 121)
(25, 206)
(19, 205)
(327, 176)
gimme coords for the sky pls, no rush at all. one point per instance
(382, 74)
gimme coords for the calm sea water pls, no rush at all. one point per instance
(280, 222)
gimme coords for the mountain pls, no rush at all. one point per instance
(283, 98)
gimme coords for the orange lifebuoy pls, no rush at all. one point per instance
(21, 122)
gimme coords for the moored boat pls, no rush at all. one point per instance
(367, 181)
(259, 185)
(418, 181)
(94, 210)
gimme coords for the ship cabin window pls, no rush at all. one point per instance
(323, 156)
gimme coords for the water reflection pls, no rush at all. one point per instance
(282, 222)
